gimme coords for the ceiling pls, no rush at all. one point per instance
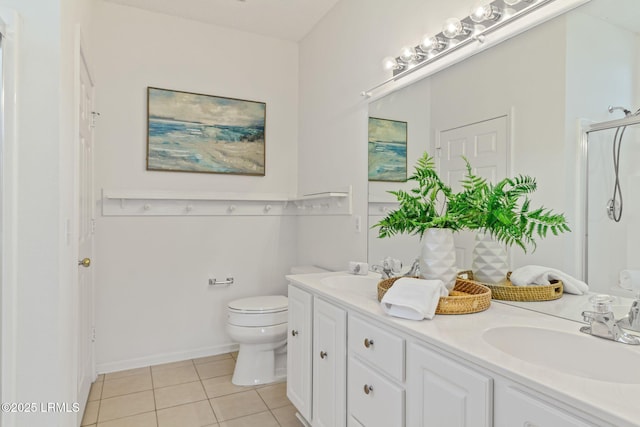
(283, 19)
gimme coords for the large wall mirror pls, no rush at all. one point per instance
(535, 91)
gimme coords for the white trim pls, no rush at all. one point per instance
(167, 203)
(582, 199)
(9, 216)
(158, 359)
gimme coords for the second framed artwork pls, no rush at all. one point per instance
(387, 150)
(190, 132)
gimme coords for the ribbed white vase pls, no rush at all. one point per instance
(438, 256)
(489, 260)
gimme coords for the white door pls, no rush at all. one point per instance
(485, 145)
(85, 229)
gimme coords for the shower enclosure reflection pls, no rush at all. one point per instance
(613, 233)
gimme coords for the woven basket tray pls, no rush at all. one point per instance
(507, 291)
(466, 297)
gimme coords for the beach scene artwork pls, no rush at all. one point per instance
(387, 150)
(190, 132)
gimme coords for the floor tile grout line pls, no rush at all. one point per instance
(268, 408)
(200, 380)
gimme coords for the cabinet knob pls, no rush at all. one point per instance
(368, 343)
(323, 354)
(294, 332)
(368, 388)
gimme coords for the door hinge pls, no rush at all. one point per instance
(93, 334)
(93, 225)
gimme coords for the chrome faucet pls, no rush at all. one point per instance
(602, 322)
(415, 269)
(388, 268)
(632, 320)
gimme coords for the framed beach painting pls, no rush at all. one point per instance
(191, 132)
(387, 150)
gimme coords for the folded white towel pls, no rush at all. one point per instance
(538, 275)
(414, 299)
(630, 279)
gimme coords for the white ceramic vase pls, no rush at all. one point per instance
(489, 260)
(438, 256)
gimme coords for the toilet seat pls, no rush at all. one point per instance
(258, 311)
(263, 304)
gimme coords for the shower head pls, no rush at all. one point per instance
(627, 112)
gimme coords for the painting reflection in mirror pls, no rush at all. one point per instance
(387, 150)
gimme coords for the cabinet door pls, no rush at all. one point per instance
(299, 350)
(518, 408)
(329, 365)
(445, 393)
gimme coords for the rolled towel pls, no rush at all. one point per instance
(538, 275)
(630, 279)
(414, 299)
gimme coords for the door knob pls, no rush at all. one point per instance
(86, 262)
(323, 354)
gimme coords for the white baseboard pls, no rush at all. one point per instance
(157, 359)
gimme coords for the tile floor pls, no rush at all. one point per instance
(191, 393)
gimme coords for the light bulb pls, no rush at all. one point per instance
(453, 27)
(432, 43)
(390, 63)
(484, 11)
(407, 54)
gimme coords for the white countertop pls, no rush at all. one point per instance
(616, 403)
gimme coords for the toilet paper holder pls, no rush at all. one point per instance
(215, 282)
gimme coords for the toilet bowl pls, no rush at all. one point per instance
(259, 325)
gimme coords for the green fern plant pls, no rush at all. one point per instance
(502, 209)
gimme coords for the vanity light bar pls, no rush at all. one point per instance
(485, 17)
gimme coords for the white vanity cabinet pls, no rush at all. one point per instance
(316, 359)
(443, 392)
(349, 364)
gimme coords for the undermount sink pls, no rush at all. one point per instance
(366, 286)
(583, 356)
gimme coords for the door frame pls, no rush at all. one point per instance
(8, 214)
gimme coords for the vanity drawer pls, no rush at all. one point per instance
(377, 346)
(373, 400)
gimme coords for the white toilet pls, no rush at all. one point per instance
(259, 325)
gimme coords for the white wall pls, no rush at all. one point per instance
(39, 365)
(153, 302)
